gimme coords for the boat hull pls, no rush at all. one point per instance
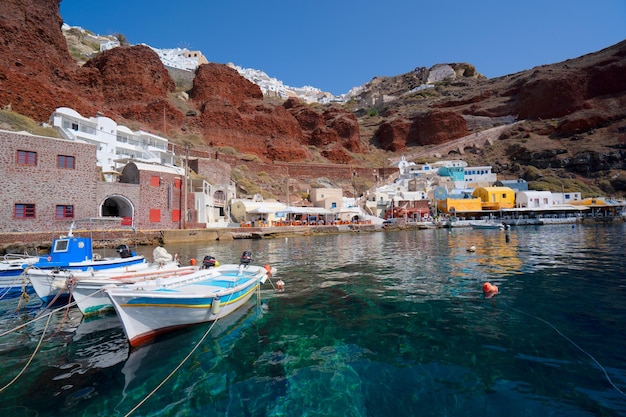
(159, 307)
(89, 295)
(12, 278)
(495, 226)
(48, 283)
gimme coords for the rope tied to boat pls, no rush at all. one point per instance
(24, 297)
(38, 347)
(185, 359)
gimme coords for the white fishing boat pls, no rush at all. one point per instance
(487, 224)
(73, 253)
(149, 308)
(88, 292)
(56, 282)
(12, 266)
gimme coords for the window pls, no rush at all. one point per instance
(26, 157)
(24, 211)
(67, 162)
(61, 245)
(155, 215)
(177, 183)
(65, 212)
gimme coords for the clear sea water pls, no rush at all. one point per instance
(369, 324)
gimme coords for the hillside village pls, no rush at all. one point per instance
(152, 184)
(155, 184)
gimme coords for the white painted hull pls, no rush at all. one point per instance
(89, 295)
(12, 275)
(48, 283)
(486, 225)
(158, 307)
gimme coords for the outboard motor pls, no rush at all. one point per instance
(124, 251)
(246, 258)
(208, 262)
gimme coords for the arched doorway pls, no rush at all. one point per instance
(117, 206)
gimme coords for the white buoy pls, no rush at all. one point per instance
(215, 305)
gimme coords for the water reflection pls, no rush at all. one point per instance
(381, 324)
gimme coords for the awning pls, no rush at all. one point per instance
(261, 210)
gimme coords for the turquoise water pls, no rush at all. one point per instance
(369, 324)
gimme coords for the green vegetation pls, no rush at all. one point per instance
(250, 157)
(558, 185)
(122, 38)
(227, 150)
(16, 122)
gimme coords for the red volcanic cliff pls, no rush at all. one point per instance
(576, 106)
(38, 75)
(232, 113)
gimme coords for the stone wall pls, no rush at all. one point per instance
(166, 198)
(44, 184)
(305, 171)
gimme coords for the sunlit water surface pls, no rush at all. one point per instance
(369, 324)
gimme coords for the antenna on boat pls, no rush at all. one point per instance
(72, 225)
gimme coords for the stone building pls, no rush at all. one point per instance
(45, 182)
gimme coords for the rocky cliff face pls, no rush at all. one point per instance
(577, 106)
(38, 75)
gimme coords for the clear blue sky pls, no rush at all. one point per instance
(335, 45)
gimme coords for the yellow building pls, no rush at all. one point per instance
(495, 198)
(459, 205)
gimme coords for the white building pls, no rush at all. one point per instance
(534, 199)
(211, 202)
(566, 198)
(112, 141)
(180, 58)
(412, 184)
(479, 176)
(417, 182)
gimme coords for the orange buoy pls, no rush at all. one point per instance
(268, 268)
(489, 289)
(193, 262)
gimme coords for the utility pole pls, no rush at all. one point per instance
(287, 186)
(184, 213)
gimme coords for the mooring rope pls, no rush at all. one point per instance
(185, 359)
(37, 318)
(32, 356)
(560, 333)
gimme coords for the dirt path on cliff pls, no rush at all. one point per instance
(478, 140)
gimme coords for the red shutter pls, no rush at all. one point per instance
(155, 215)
